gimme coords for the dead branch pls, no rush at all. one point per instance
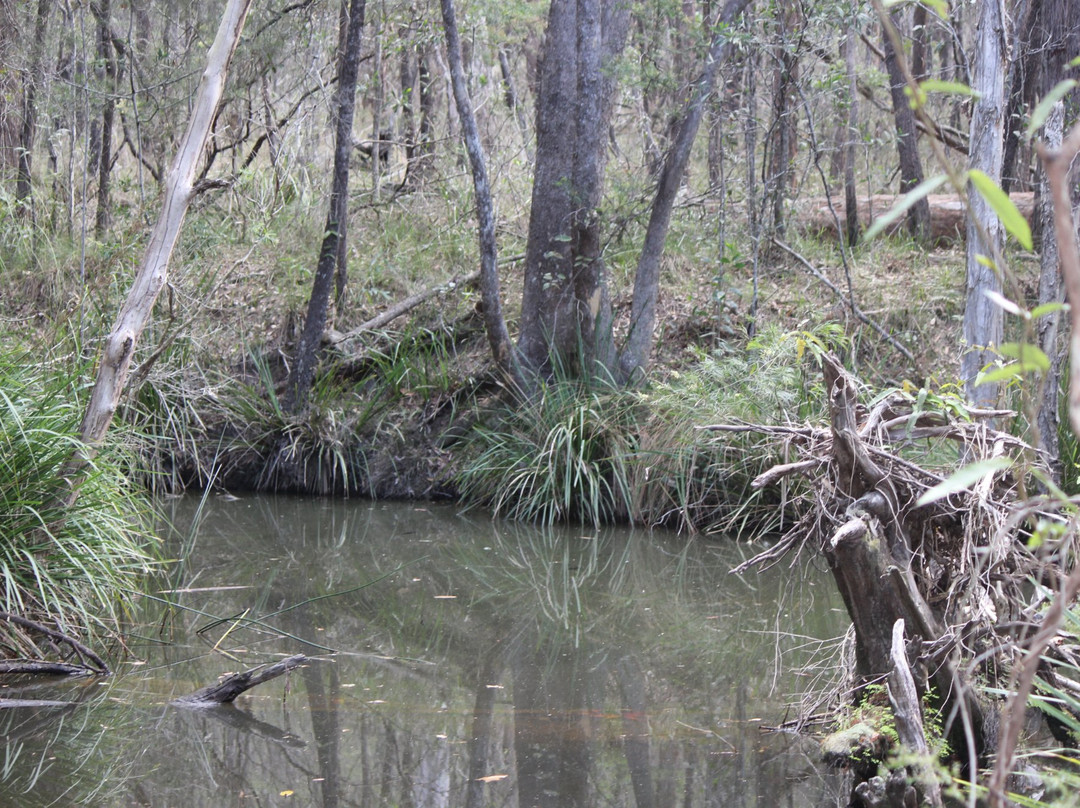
(97, 664)
(35, 667)
(225, 691)
(403, 307)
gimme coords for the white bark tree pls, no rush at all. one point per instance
(115, 362)
(983, 319)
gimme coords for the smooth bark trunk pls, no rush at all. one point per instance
(120, 345)
(635, 353)
(494, 322)
(911, 173)
(34, 80)
(983, 318)
(103, 216)
(1050, 292)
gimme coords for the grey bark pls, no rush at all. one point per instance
(1050, 291)
(851, 137)
(634, 355)
(911, 173)
(560, 307)
(102, 12)
(307, 353)
(983, 319)
(120, 345)
(35, 78)
(494, 322)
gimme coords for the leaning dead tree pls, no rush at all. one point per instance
(948, 563)
(180, 189)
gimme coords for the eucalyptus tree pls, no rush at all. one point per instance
(33, 81)
(303, 371)
(983, 318)
(911, 172)
(566, 320)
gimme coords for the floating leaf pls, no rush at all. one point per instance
(1042, 109)
(964, 478)
(1010, 217)
(286, 793)
(920, 191)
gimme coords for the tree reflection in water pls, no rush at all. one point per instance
(500, 666)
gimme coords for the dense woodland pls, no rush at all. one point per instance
(723, 267)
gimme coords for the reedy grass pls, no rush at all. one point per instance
(71, 564)
(594, 454)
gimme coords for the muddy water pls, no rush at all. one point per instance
(454, 662)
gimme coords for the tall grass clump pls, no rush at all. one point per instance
(563, 456)
(70, 565)
(592, 453)
(690, 478)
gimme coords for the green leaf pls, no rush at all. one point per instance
(964, 478)
(948, 87)
(920, 191)
(1028, 355)
(1010, 217)
(1048, 308)
(1003, 374)
(1042, 109)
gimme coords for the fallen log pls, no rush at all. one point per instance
(948, 215)
(226, 691)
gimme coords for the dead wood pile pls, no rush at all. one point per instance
(956, 571)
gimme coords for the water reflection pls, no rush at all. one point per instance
(484, 665)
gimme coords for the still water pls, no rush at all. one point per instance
(454, 662)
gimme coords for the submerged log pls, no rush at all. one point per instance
(226, 691)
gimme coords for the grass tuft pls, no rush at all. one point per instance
(71, 565)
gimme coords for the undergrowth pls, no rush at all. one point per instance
(595, 454)
(68, 564)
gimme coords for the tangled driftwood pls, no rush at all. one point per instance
(955, 571)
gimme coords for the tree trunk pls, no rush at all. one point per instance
(851, 137)
(120, 345)
(35, 78)
(494, 323)
(983, 318)
(634, 356)
(783, 137)
(102, 11)
(1050, 292)
(307, 352)
(911, 173)
(562, 300)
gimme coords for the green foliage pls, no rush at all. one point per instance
(594, 454)
(563, 456)
(72, 564)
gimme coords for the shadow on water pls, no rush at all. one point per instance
(455, 662)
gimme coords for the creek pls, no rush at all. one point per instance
(455, 661)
